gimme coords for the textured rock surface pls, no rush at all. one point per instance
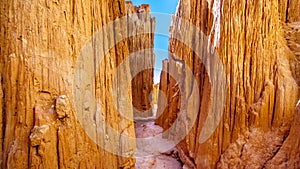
(292, 34)
(261, 74)
(155, 94)
(40, 46)
(288, 156)
(278, 154)
(141, 49)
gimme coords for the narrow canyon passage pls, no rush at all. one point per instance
(78, 88)
(152, 151)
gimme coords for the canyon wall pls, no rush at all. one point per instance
(51, 75)
(260, 65)
(142, 57)
(288, 155)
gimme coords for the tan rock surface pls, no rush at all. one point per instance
(265, 149)
(141, 49)
(40, 47)
(288, 156)
(261, 74)
(155, 93)
(292, 35)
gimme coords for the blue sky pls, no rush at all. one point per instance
(162, 10)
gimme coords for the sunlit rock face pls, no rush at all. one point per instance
(260, 63)
(41, 48)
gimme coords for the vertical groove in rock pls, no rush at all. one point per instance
(260, 77)
(293, 11)
(2, 115)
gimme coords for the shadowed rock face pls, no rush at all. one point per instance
(40, 50)
(141, 48)
(260, 66)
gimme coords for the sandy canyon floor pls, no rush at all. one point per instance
(153, 152)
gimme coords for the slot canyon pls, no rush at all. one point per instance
(78, 88)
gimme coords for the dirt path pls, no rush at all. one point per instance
(154, 152)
